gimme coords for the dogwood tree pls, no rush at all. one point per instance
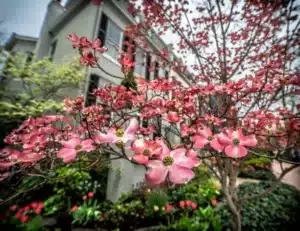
(241, 63)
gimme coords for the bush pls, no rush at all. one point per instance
(258, 162)
(258, 174)
(204, 219)
(279, 210)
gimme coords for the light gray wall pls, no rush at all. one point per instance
(24, 46)
(54, 11)
(20, 46)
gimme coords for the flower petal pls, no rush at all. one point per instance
(199, 141)
(71, 143)
(181, 159)
(205, 131)
(87, 145)
(180, 175)
(102, 138)
(248, 141)
(191, 153)
(6, 164)
(223, 139)
(138, 146)
(157, 172)
(216, 145)
(67, 154)
(234, 151)
(140, 159)
(133, 126)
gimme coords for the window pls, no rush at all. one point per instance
(158, 127)
(103, 82)
(110, 35)
(52, 49)
(93, 83)
(156, 69)
(167, 74)
(29, 57)
(148, 64)
(139, 62)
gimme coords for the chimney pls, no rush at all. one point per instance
(54, 10)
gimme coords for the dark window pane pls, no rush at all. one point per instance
(167, 74)
(158, 125)
(103, 29)
(148, 63)
(53, 48)
(93, 83)
(156, 69)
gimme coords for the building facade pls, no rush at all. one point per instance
(107, 22)
(16, 44)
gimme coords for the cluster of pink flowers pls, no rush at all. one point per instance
(89, 195)
(24, 212)
(187, 204)
(87, 49)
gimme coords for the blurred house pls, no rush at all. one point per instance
(106, 22)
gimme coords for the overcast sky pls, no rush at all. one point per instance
(22, 16)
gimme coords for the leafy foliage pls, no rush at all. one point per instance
(204, 219)
(200, 192)
(279, 210)
(68, 179)
(260, 174)
(258, 162)
(159, 199)
(31, 88)
(87, 212)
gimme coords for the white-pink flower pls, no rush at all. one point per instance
(143, 149)
(206, 137)
(174, 165)
(172, 117)
(235, 142)
(119, 135)
(72, 147)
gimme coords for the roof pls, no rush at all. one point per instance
(14, 37)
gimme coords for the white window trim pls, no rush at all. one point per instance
(111, 59)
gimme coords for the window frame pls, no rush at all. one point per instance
(104, 34)
(90, 99)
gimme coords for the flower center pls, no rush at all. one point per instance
(37, 143)
(146, 152)
(78, 147)
(236, 141)
(210, 138)
(168, 161)
(120, 132)
(120, 144)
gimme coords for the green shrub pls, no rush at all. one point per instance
(258, 161)
(258, 174)
(204, 219)
(202, 193)
(159, 199)
(279, 210)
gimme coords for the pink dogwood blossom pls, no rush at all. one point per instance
(119, 135)
(235, 142)
(143, 149)
(174, 165)
(172, 117)
(72, 147)
(206, 137)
